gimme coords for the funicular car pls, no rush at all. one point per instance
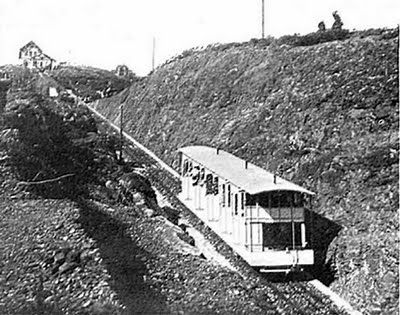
(263, 217)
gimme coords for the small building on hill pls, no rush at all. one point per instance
(4, 75)
(33, 57)
(122, 71)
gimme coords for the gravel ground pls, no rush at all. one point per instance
(62, 256)
(288, 297)
(95, 250)
(86, 257)
(81, 256)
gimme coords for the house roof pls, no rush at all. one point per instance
(43, 56)
(30, 44)
(252, 179)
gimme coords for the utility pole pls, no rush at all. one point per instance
(121, 132)
(154, 54)
(262, 20)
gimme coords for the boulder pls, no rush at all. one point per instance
(171, 214)
(186, 238)
(67, 266)
(134, 181)
(149, 213)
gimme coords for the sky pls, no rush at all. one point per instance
(105, 33)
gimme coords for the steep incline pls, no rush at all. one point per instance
(324, 116)
(90, 83)
(82, 233)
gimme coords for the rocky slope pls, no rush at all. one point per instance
(324, 116)
(82, 233)
(91, 83)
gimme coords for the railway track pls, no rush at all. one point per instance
(291, 297)
(307, 302)
(288, 297)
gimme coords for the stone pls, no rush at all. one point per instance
(59, 258)
(67, 266)
(187, 238)
(73, 256)
(171, 214)
(149, 213)
(138, 199)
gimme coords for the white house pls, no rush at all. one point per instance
(33, 57)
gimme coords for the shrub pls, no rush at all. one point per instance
(314, 38)
(47, 145)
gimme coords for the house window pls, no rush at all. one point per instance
(209, 184)
(223, 195)
(229, 195)
(185, 169)
(242, 199)
(250, 200)
(236, 206)
(280, 235)
(275, 200)
(298, 200)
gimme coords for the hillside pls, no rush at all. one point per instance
(324, 116)
(72, 245)
(84, 233)
(90, 83)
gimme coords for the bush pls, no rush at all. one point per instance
(47, 145)
(314, 38)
